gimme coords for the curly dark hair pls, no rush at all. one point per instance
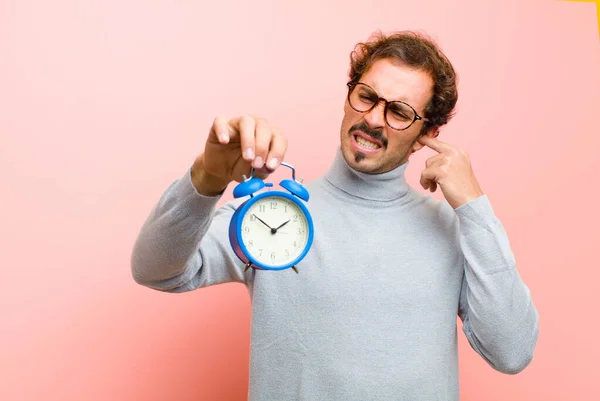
(416, 50)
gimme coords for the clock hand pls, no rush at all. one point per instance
(273, 230)
(282, 225)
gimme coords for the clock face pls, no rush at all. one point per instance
(275, 231)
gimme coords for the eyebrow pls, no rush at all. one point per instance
(389, 100)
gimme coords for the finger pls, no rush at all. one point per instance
(435, 144)
(234, 127)
(435, 160)
(279, 146)
(428, 177)
(219, 128)
(429, 185)
(246, 127)
(262, 140)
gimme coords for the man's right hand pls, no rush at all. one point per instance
(232, 148)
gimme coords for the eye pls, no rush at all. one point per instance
(367, 97)
(401, 113)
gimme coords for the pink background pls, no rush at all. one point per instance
(104, 103)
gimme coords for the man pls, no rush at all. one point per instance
(372, 314)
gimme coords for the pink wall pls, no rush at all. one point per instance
(104, 103)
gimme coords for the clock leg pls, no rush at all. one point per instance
(247, 267)
(295, 269)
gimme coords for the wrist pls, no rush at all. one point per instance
(206, 184)
(456, 203)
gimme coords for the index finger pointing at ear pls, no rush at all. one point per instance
(434, 144)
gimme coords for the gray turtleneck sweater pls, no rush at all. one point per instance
(372, 314)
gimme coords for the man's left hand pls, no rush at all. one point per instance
(451, 170)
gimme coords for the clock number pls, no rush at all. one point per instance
(295, 244)
(250, 244)
(262, 208)
(246, 229)
(295, 217)
(260, 252)
(287, 253)
(273, 205)
(299, 230)
(272, 255)
(285, 208)
(252, 218)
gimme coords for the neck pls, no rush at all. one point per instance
(379, 187)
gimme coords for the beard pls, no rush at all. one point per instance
(385, 161)
(376, 134)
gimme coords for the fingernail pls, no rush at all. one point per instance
(258, 162)
(272, 164)
(249, 154)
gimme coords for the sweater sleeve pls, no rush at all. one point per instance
(184, 244)
(499, 318)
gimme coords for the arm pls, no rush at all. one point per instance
(499, 318)
(184, 244)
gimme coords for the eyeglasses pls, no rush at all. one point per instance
(398, 115)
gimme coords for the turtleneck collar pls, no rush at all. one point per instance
(378, 187)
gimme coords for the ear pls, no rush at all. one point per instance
(432, 132)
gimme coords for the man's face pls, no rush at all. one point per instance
(391, 81)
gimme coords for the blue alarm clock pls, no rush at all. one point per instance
(272, 230)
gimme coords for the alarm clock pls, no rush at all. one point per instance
(272, 230)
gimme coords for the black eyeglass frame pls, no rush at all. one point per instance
(351, 85)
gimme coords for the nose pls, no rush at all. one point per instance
(376, 117)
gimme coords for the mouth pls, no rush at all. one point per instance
(365, 143)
